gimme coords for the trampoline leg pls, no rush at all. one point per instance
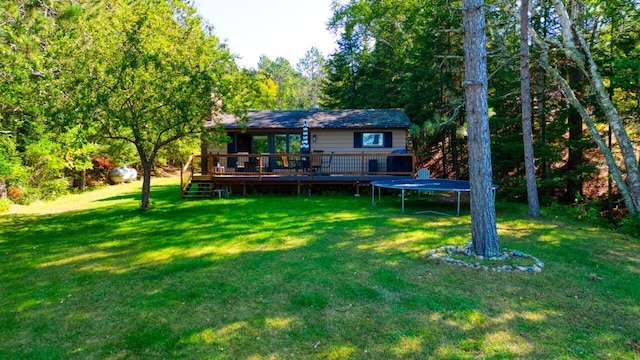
(458, 203)
(403, 201)
(373, 195)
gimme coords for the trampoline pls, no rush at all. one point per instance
(443, 185)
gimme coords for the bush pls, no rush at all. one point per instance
(5, 205)
(630, 225)
(52, 189)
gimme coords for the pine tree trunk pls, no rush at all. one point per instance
(527, 131)
(454, 152)
(484, 234)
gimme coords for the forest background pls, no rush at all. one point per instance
(91, 84)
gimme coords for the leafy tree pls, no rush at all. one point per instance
(291, 84)
(31, 100)
(147, 75)
(311, 66)
(262, 90)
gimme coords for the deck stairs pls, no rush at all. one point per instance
(198, 189)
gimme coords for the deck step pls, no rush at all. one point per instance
(198, 190)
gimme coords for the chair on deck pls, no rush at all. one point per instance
(316, 161)
(241, 161)
(289, 164)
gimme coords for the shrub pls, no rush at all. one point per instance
(630, 225)
(5, 204)
(15, 194)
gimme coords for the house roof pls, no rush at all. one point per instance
(322, 119)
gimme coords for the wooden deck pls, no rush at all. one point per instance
(196, 184)
(297, 181)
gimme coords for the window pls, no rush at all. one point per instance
(372, 139)
(260, 144)
(287, 143)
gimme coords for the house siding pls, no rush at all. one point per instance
(341, 141)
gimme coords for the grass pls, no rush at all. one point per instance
(287, 277)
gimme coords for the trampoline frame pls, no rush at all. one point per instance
(457, 186)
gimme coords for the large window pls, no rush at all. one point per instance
(287, 143)
(260, 144)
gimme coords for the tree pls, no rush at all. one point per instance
(263, 90)
(31, 101)
(484, 234)
(148, 76)
(525, 92)
(311, 66)
(290, 83)
(576, 48)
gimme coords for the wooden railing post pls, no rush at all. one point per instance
(192, 158)
(362, 166)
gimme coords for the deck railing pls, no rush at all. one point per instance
(314, 164)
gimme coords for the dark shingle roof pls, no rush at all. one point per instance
(323, 119)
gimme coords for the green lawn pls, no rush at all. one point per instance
(288, 277)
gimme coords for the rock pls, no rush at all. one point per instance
(536, 269)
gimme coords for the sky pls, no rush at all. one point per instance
(274, 28)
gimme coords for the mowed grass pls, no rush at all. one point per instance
(292, 277)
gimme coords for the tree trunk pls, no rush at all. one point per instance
(146, 185)
(3, 189)
(454, 152)
(576, 48)
(444, 154)
(595, 135)
(484, 234)
(527, 131)
(575, 147)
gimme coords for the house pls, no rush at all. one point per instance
(330, 131)
(300, 148)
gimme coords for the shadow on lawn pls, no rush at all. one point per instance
(286, 277)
